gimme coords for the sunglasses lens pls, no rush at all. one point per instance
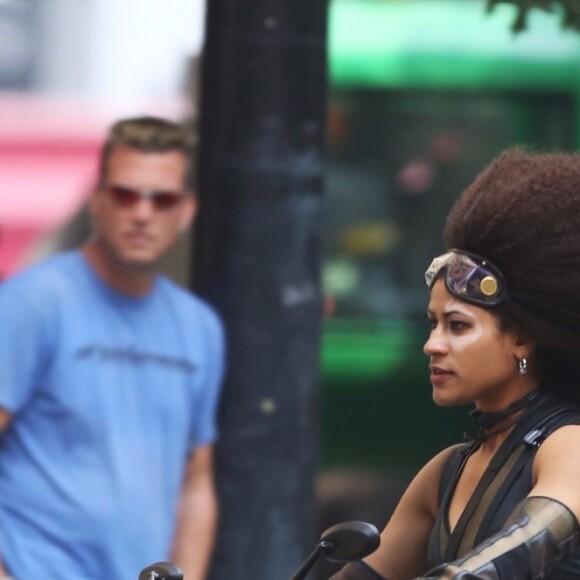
(123, 195)
(127, 197)
(165, 199)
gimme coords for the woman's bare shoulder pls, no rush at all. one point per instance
(556, 470)
(424, 488)
(437, 463)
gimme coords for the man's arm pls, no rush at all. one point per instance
(5, 418)
(197, 516)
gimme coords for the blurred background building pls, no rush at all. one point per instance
(423, 94)
(67, 69)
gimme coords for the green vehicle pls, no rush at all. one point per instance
(424, 93)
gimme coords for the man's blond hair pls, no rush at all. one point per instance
(151, 135)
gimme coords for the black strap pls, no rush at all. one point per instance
(540, 417)
(560, 415)
(486, 421)
(508, 470)
(451, 472)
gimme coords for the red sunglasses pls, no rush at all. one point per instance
(127, 197)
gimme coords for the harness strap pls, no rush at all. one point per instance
(540, 533)
(504, 468)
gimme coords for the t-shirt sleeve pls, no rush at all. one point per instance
(205, 430)
(23, 345)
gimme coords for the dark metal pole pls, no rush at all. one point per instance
(257, 259)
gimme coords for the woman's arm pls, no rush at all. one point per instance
(542, 531)
(402, 553)
(556, 469)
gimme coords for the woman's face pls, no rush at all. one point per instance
(470, 358)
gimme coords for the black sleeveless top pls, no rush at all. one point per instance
(505, 483)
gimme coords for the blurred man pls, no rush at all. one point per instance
(109, 378)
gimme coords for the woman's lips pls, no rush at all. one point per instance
(438, 374)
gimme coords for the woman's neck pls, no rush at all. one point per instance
(495, 427)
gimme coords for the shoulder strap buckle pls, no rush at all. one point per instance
(535, 437)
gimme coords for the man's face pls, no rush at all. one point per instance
(137, 231)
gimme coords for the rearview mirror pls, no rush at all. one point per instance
(342, 543)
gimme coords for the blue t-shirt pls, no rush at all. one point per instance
(109, 395)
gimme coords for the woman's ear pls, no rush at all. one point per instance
(524, 346)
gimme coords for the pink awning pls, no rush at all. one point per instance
(48, 158)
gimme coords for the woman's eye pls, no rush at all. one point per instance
(458, 325)
(431, 323)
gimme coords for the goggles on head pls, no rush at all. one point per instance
(469, 277)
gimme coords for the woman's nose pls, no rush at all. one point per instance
(436, 343)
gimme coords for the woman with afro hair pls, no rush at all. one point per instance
(504, 314)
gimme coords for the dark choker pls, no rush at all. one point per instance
(492, 423)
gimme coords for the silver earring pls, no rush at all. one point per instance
(523, 366)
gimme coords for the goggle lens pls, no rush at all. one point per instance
(127, 197)
(469, 277)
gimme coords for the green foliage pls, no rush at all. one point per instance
(570, 11)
